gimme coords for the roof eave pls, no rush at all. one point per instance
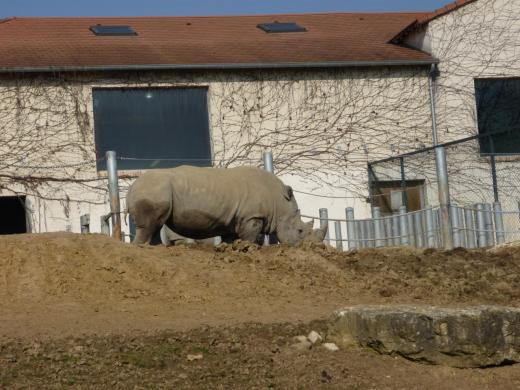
(449, 8)
(218, 66)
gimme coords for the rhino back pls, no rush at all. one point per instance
(215, 197)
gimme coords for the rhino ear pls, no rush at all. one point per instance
(288, 193)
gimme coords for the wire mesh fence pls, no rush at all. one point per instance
(475, 175)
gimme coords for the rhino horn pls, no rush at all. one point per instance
(310, 223)
(321, 232)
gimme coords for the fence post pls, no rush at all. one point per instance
(84, 221)
(430, 229)
(378, 227)
(488, 223)
(411, 229)
(419, 231)
(403, 222)
(396, 231)
(388, 232)
(455, 224)
(267, 158)
(324, 222)
(366, 233)
(460, 218)
(339, 238)
(360, 233)
(499, 223)
(404, 196)
(444, 197)
(351, 232)
(470, 228)
(371, 228)
(113, 191)
(481, 226)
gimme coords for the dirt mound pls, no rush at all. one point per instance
(59, 284)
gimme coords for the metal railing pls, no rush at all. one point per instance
(476, 226)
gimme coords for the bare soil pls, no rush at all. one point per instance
(89, 312)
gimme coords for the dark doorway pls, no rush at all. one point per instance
(12, 210)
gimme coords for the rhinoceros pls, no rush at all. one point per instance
(235, 203)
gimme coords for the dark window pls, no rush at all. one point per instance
(281, 27)
(112, 30)
(498, 111)
(152, 127)
(12, 209)
(388, 195)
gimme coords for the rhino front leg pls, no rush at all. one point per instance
(251, 231)
(149, 217)
(143, 235)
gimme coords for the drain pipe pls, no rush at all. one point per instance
(442, 168)
(434, 73)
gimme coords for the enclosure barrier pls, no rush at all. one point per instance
(84, 221)
(113, 191)
(267, 159)
(476, 226)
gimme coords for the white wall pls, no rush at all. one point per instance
(479, 40)
(322, 126)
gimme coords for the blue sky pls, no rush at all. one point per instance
(204, 7)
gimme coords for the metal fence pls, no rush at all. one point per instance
(477, 226)
(471, 224)
(476, 174)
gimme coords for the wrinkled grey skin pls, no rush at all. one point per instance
(236, 203)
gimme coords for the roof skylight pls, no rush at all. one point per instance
(277, 27)
(103, 30)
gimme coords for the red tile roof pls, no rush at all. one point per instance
(191, 42)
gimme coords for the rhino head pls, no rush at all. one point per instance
(292, 230)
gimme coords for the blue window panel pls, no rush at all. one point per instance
(152, 127)
(498, 112)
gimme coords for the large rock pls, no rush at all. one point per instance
(472, 337)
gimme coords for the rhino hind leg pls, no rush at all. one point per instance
(251, 231)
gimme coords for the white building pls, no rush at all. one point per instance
(327, 93)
